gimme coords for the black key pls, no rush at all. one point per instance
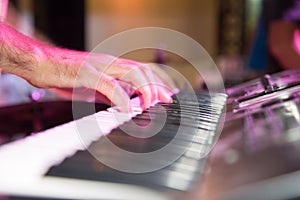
(196, 121)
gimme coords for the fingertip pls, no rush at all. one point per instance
(175, 91)
(123, 107)
(126, 106)
(121, 99)
(145, 101)
(126, 109)
(168, 98)
(165, 97)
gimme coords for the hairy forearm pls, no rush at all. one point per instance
(35, 61)
(51, 67)
(18, 53)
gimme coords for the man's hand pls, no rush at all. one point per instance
(50, 67)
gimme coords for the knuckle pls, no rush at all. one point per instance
(145, 67)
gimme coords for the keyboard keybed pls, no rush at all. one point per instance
(200, 121)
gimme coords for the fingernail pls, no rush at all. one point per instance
(145, 106)
(168, 98)
(175, 91)
(129, 109)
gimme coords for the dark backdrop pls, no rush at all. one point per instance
(62, 21)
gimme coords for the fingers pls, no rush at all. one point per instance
(141, 82)
(142, 78)
(114, 92)
(164, 94)
(107, 86)
(160, 91)
(163, 76)
(147, 84)
(127, 71)
(154, 69)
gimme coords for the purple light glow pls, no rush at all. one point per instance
(37, 95)
(297, 41)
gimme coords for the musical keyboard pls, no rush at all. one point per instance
(257, 155)
(61, 162)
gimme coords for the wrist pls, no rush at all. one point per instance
(59, 66)
(18, 53)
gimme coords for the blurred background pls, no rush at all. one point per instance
(82, 24)
(260, 138)
(225, 28)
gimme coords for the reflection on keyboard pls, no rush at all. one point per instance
(25, 162)
(200, 120)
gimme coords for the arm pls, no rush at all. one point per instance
(3, 9)
(50, 67)
(281, 44)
